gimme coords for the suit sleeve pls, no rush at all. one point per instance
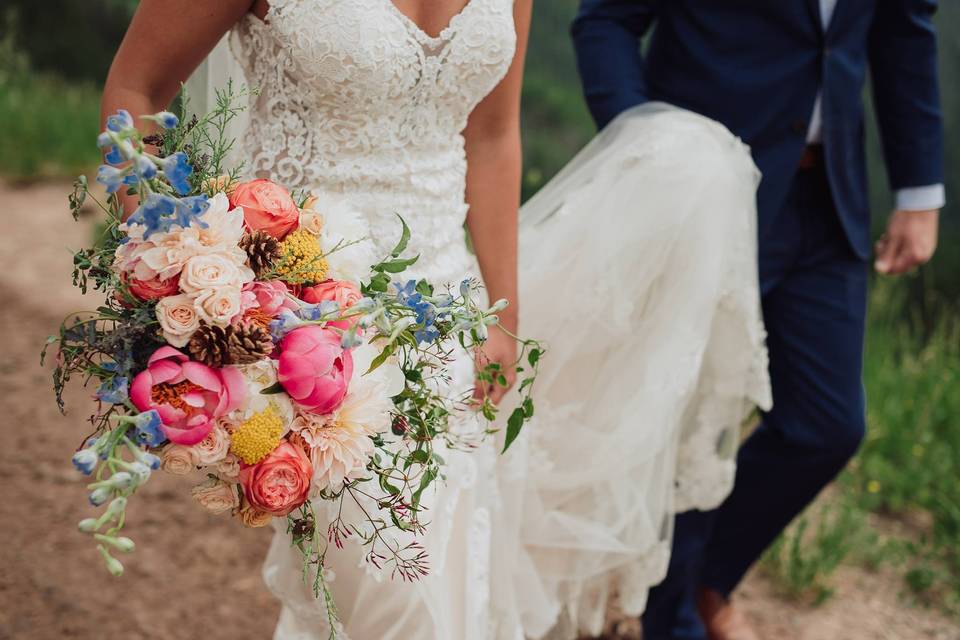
(606, 36)
(903, 64)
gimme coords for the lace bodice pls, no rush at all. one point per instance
(356, 99)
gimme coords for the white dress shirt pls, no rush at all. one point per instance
(910, 199)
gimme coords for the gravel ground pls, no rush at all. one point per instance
(196, 575)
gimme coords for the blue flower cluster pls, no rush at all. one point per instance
(128, 165)
(426, 311)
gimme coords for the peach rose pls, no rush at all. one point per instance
(229, 467)
(344, 293)
(311, 221)
(216, 496)
(178, 459)
(178, 319)
(155, 288)
(267, 207)
(279, 483)
(219, 305)
(214, 446)
(252, 517)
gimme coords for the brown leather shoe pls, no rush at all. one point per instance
(722, 620)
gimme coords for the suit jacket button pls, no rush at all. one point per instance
(799, 126)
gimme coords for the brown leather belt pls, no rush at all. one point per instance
(812, 157)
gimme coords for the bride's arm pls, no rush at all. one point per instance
(493, 192)
(166, 41)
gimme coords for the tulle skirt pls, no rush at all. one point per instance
(638, 268)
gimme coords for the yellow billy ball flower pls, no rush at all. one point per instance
(301, 259)
(257, 437)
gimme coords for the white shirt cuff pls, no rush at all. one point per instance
(926, 198)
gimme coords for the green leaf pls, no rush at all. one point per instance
(380, 359)
(396, 266)
(424, 288)
(404, 239)
(534, 357)
(514, 424)
(420, 456)
(527, 408)
(273, 389)
(386, 486)
(428, 477)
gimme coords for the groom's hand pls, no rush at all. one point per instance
(909, 242)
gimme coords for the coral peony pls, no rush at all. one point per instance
(189, 396)
(154, 288)
(344, 293)
(279, 483)
(314, 368)
(267, 207)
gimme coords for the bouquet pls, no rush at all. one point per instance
(254, 334)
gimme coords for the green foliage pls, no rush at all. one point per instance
(804, 558)
(47, 126)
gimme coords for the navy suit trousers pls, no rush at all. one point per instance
(814, 291)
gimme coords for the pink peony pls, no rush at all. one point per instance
(267, 207)
(314, 369)
(155, 288)
(189, 396)
(344, 293)
(271, 296)
(279, 483)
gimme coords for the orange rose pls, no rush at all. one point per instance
(279, 483)
(154, 289)
(267, 207)
(344, 293)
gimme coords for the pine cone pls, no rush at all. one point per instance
(210, 345)
(249, 342)
(262, 249)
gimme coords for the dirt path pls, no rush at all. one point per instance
(196, 575)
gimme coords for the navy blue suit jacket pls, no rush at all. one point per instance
(756, 66)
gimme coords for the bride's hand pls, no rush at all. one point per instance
(502, 349)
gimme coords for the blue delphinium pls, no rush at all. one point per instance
(144, 168)
(315, 312)
(148, 432)
(283, 324)
(427, 335)
(111, 177)
(189, 211)
(120, 121)
(407, 293)
(155, 214)
(167, 120)
(177, 169)
(114, 391)
(85, 461)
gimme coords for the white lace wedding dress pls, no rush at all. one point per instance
(638, 269)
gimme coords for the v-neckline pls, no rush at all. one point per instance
(420, 30)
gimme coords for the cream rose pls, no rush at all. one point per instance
(216, 496)
(229, 467)
(178, 319)
(311, 221)
(214, 447)
(205, 272)
(218, 305)
(178, 459)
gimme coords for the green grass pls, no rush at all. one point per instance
(49, 127)
(908, 468)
